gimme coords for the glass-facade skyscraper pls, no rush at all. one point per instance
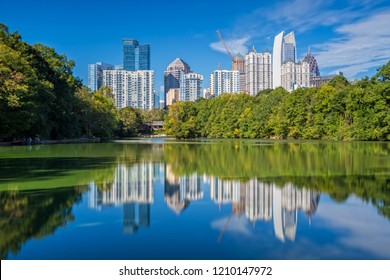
(95, 74)
(289, 48)
(135, 56)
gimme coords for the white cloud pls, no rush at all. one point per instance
(359, 47)
(235, 46)
(362, 228)
(302, 15)
(236, 224)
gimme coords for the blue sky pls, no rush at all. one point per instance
(351, 36)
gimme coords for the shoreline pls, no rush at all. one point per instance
(53, 142)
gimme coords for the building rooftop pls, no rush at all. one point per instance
(178, 63)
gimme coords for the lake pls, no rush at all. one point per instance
(203, 199)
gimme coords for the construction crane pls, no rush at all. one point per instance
(225, 227)
(226, 48)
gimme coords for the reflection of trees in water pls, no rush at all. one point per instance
(339, 169)
(26, 215)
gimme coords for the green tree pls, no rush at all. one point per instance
(103, 120)
(83, 109)
(338, 81)
(130, 122)
(383, 74)
(153, 115)
(180, 121)
(18, 90)
(39, 83)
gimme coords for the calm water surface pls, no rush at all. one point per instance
(161, 199)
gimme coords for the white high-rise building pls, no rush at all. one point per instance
(295, 75)
(258, 71)
(224, 191)
(131, 184)
(224, 81)
(258, 200)
(95, 74)
(284, 50)
(190, 86)
(131, 88)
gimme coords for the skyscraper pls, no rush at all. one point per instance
(224, 81)
(277, 60)
(289, 48)
(285, 50)
(190, 86)
(258, 71)
(173, 73)
(95, 74)
(295, 75)
(131, 88)
(135, 56)
(309, 58)
(239, 65)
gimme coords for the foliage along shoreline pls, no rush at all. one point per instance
(338, 110)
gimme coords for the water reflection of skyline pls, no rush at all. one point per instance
(133, 189)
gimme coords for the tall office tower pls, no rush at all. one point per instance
(289, 49)
(135, 56)
(314, 71)
(224, 81)
(131, 88)
(277, 60)
(95, 74)
(258, 71)
(173, 73)
(156, 100)
(284, 50)
(239, 65)
(295, 75)
(190, 86)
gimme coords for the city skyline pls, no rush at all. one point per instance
(347, 36)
